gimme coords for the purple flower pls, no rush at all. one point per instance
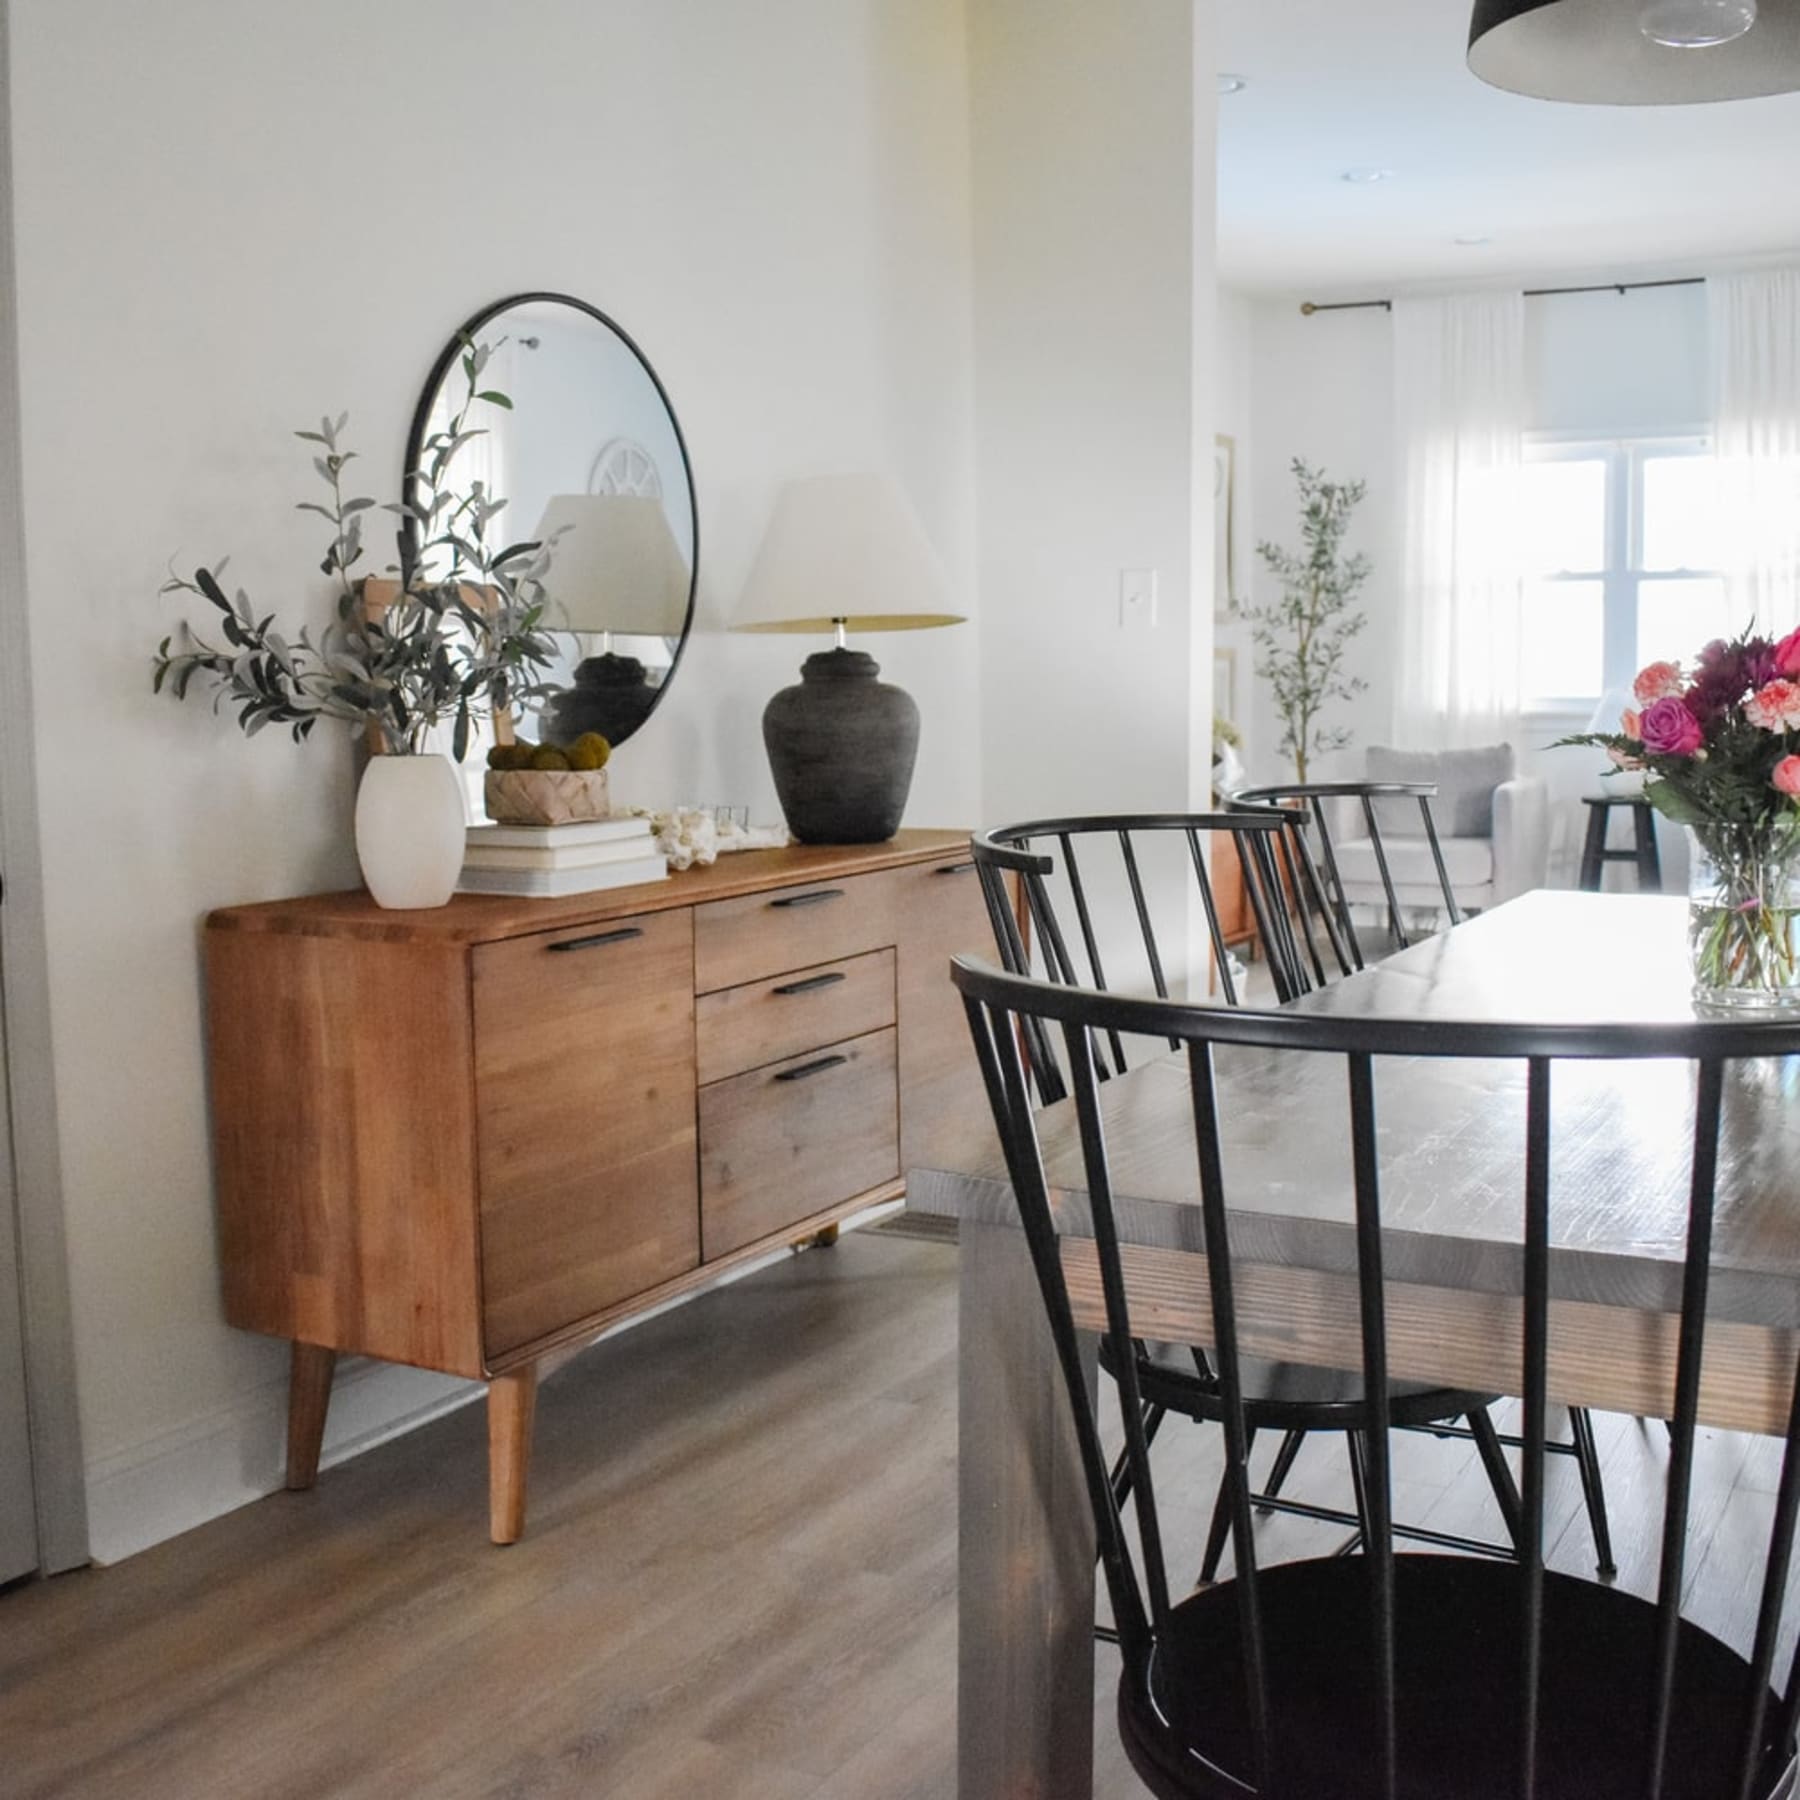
(1726, 673)
(1669, 729)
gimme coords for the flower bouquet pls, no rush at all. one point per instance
(1719, 745)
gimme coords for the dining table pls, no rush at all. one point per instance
(1452, 1137)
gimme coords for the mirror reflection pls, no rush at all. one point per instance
(588, 456)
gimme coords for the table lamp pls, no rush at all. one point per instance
(843, 553)
(615, 567)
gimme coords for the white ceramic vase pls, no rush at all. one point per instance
(409, 830)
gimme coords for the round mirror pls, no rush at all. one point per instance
(578, 438)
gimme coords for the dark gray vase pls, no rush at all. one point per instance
(842, 746)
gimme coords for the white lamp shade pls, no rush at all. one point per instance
(615, 565)
(849, 549)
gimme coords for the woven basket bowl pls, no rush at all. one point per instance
(546, 796)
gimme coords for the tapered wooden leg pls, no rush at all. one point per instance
(309, 1395)
(511, 1402)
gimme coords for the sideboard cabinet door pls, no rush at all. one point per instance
(938, 913)
(584, 1093)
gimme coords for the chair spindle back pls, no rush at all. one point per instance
(1005, 1010)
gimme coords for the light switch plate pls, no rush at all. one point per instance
(1137, 599)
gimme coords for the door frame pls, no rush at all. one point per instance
(31, 1189)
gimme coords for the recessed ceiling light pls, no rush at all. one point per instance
(1232, 84)
(1367, 177)
(1469, 243)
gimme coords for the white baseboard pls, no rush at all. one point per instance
(226, 1458)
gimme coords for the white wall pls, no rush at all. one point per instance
(1093, 209)
(1088, 223)
(1599, 365)
(231, 218)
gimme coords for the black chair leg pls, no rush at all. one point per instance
(1121, 1469)
(1284, 1461)
(1359, 1483)
(1587, 1460)
(1500, 1477)
(1220, 1529)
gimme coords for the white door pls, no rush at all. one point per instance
(18, 1517)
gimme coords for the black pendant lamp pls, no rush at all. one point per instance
(1637, 52)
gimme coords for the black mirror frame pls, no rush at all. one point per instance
(446, 360)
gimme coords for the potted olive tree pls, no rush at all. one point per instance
(1303, 638)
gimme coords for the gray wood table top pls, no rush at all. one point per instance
(1453, 1132)
(1545, 958)
(1452, 1183)
(1451, 1167)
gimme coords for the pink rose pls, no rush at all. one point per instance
(1632, 724)
(1787, 776)
(1787, 655)
(1657, 680)
(1775, 707)
(1669, 729)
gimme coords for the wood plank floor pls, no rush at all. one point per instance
(738, 1581)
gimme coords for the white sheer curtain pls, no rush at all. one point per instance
(1755, 327)
(1459, 405)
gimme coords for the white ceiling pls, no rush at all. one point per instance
(1340, 84)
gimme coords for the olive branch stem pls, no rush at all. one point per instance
(430, 655)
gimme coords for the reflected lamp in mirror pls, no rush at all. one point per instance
(564, 409)
(843, 553)
(615, 568)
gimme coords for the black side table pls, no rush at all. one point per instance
(1595, 855)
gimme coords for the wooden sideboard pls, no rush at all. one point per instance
(1237, 923)
(464, 1139)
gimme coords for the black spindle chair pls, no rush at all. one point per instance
(1385, 1676)
(1285, 1398)
(1324, 887)
(1316, 881)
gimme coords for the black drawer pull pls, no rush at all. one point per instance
(812, 984)
(811, 1068)
(964, 868)
(815, 898)
(599, 938)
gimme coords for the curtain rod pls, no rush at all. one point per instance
(1309, 307)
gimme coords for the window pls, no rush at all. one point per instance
(1621, 565)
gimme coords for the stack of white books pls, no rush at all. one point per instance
(545, 861)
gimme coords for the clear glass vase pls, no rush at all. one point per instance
(1744, 917)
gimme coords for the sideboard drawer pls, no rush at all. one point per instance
(745, 1027)
(584, 1097)
(784, 1142)
(759, 935)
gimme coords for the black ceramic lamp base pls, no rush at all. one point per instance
(611, 694)
(841, 747)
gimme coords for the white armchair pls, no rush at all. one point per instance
(1493, 826)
